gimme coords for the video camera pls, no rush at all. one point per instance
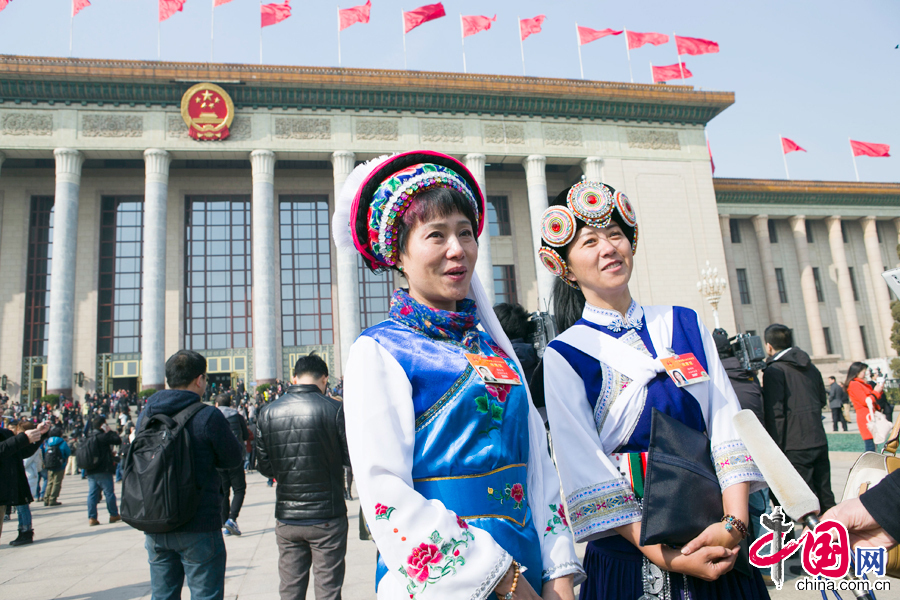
(542, 329)
(749, 350)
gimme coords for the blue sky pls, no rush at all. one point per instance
(816, 72)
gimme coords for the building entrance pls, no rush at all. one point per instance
(129, 384)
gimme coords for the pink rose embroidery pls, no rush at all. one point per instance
(406, 311)
(380, 509)
(499, 391)
(562, 515)
(383, 513)
(419, 560)
(517, 492)
(462, 523)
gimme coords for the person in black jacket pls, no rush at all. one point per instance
(793, 398)
(14, 488)
(100, 477)
(302, 443)
(195, 549)
(233, 479)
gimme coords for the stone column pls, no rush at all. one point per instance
(725, 227)
(347, 266)
(485, 265)
(536, 178)
(808, 287)
(773, 300)
(153, 301)
(894, 250)
(856, 350)
(882, 297)
(592, 167)
(2, 158)
(265, 276)
(62, 271)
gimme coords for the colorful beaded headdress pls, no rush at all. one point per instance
(595, 204)
(378, 193)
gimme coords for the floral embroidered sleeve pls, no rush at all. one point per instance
(429, 552)
(598, 497)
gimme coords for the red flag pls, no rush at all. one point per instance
(636, 40)
(423, 14)
(587, 35)
(275, 13)
(670, 72)
(4, 3)
(530, 26)
(475, 23)
(79, 5)
(167, 8)
(790, 146)
(220, 2)
(867, 149)
(695, 46)
(712, 163)
(352, 16)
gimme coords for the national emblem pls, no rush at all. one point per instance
(208, 111)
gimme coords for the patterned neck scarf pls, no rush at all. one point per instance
(455, 327)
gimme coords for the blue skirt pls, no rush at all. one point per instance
(613, 567)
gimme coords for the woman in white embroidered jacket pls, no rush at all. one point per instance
(602, 380)
(453, 473)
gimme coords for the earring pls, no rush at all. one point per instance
(399, 268)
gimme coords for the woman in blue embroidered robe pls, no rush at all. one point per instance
(453, 473)
(602, 381)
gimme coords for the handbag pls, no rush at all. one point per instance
(869, 469)
(682, 496)
(878, 424)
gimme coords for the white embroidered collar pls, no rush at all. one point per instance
(612, 320)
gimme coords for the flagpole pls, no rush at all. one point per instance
(158, 41)
(784, 156)
(403, 28)
(853, 156)
(708, 149)
(628, 52)
(212, 31)
(339, 35)
(71, 27)
(462, 32)
(522, 46)
(260, 30)
(652, 78)
(680, 68)
(578, 42)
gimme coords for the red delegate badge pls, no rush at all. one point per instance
(684, 369)
(493, 369)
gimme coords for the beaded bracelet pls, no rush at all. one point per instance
(512, 588)
(732, 522)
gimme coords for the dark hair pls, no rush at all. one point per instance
(513, 319)
(723, 347)
(832, 377)
(312, 364)
(779, 336)
(56, 431)
(853, 372)
(223, 399)
(183, 367)
(98, 422)
(436, 202)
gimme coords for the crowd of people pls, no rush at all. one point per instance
(445, 416)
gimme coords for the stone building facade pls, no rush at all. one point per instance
(122, 239)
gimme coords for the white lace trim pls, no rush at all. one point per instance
(563, 569)
(487, 586)
(613, 320)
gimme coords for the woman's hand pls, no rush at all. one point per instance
(714, 535)
(707, 563)
(524, 591)
(561, 588)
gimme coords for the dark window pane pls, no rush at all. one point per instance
(37, 285)
(505, 284)
(498, 213)
(735, 227)
(743, 286)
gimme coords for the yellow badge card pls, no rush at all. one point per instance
(493, 370)
(685, 369)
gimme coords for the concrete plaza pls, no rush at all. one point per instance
(71, 561)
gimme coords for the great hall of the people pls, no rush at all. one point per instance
(123, 238)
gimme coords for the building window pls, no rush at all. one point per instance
(505, 284)
(826, 332)
(809, 233)
(853, 284)
(306, 308)
(782, 290)
(743, 287)
(820, 296)
(218, 301)
(37, 287)
(773, 233)
(498, 211)
(735, 226)
(374, 295)
(844, 231)
(119, 289)
(862, 334)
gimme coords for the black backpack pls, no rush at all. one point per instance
(89, 453)
(159, 487)
(53, 457)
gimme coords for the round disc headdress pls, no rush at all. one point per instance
(591, 201)
(558, 226)
(626, 210)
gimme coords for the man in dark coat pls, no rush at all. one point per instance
(100, 476)
(793, 398)
(14, 488)
(837, 396)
